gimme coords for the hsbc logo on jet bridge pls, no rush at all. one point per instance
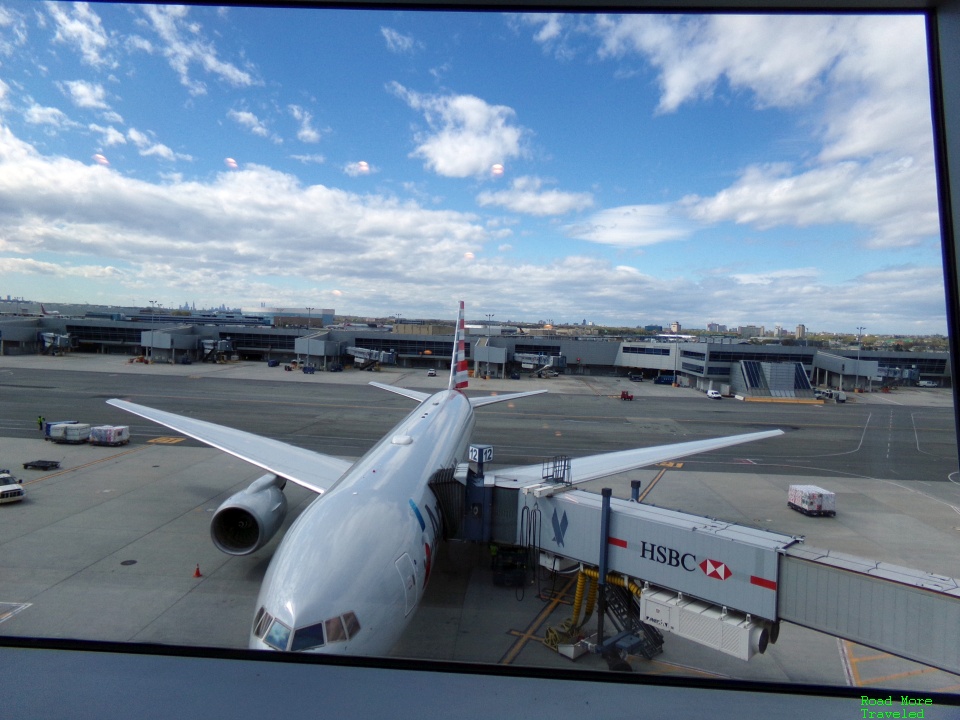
(674, 558)
(662, 554)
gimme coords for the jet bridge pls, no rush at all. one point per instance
(718, 583)
(368, 356)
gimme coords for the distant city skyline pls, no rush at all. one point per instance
(222, 307)
(742, 169)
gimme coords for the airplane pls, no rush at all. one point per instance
(48, 313)
(350, 572)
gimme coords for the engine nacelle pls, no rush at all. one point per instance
(245, 522)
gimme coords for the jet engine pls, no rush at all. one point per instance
(246, 521)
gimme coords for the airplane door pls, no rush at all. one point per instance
(408, 576)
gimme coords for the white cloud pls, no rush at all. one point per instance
(868, 76)
(633, 226)
(247, 223)
(29, 266)
(467, 135)
(184, 46)
(770, 276)
(871, 195)
(307, 133)
(396, 42)
(85, 94)
(550, 25)
(781, 59)
(527, 196)
(310, 159)
(147, 147)
(109, 135)
(39, 115)
(358, 168)
(80, 27)
(235, 235)
(251, 122)
(14, 31)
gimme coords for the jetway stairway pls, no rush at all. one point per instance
(721, 584)
(633, 635)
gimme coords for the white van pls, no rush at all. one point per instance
(927, 383)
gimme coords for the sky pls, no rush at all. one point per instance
(625, 170)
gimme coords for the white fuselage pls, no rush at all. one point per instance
(357, 560)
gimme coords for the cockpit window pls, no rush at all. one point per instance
(335, 630)
(278, 636)
(351, 623)
(308, 637)
(261, 622)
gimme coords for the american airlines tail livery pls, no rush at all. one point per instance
(351, 570)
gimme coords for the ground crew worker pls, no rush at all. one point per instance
(40, 420)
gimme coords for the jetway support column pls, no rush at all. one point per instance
(605, 493)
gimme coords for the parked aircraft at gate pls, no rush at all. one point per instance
(351, 570)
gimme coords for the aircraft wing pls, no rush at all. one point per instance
(314, 471)
(491, 399)
(406, 392)
(593, 467)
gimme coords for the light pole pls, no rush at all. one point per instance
(856, 382)
(309, 321)
(153, 319)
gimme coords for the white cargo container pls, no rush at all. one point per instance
(110, 435)
(55, 432)
(74, 434)
(812, 500)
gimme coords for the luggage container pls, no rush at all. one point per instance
(49, 425)
(110, 435)
(812, 500)
(74, 434)
(56, 432)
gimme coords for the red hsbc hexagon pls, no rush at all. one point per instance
(715, 569)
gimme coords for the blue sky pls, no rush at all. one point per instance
(619, 169)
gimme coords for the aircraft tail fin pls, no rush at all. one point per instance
(458, 364)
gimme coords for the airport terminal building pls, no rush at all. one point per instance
(728, 365)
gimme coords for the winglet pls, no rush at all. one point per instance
(458, 363)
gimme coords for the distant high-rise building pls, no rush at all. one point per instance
(801, 332)
(675, 326)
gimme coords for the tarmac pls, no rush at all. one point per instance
(114, 544)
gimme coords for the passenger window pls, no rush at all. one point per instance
(279, 636)
(335, 631)
(308, 637)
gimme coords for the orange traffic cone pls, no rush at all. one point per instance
(197, 573)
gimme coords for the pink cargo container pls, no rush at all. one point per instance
(812, 500)
(110, 435)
